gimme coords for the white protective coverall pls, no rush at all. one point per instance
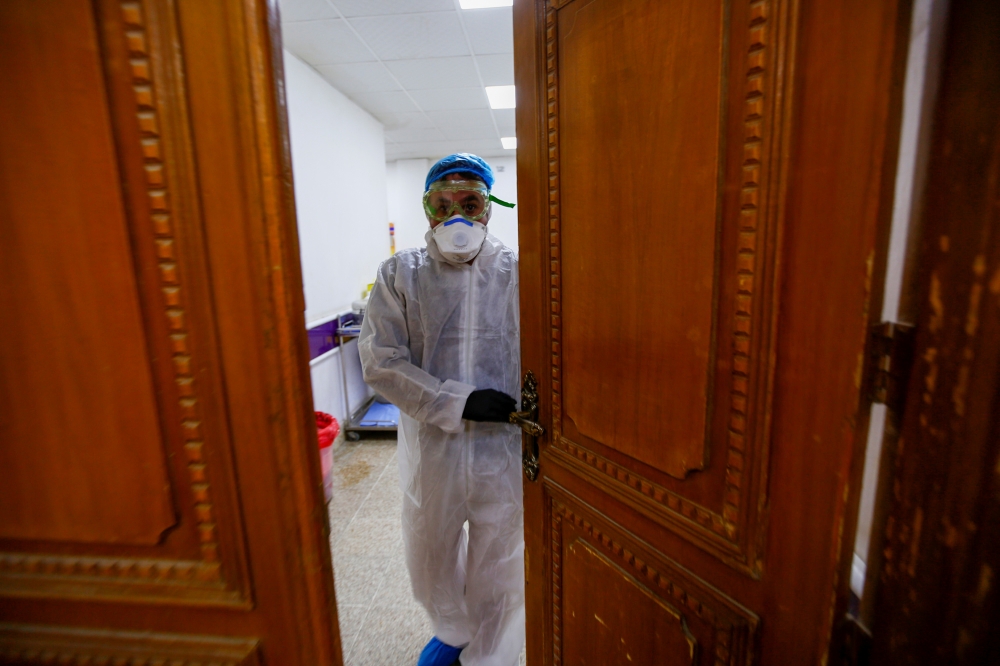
(433, 333)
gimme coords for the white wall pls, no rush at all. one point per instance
(503, 223)
(338, 163)
(404, 192)
(405, 189)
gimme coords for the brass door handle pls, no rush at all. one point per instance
(526, 420)
(523, 419)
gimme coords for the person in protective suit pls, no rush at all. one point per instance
(440, 340)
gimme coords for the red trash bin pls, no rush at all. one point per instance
(328, 429)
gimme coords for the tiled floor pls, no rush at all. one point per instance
(380, 623)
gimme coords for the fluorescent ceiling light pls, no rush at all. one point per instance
(501, 97)
(483, 4)
(509, 142)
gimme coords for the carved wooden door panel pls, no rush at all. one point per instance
(700, 185)
(160, 499)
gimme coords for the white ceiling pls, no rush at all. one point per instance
(419, 66)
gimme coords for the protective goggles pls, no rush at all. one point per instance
(469, 198)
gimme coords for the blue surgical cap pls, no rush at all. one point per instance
(460, 163)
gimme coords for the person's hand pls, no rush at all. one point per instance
(489, 405)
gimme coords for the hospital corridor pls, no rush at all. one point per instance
(372, 104)
(499, 332)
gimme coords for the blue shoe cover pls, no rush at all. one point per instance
(437, 653)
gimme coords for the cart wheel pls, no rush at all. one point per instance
(353, 436)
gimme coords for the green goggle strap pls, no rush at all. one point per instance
(502, 202)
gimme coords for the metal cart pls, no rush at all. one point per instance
(352, 426)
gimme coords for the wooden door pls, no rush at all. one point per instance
(702, 189)
(160, 499)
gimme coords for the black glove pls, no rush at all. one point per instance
(489, 405)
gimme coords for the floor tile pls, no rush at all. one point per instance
(395, 591)
(375, 452)
(391, 638)
(346, 501)
(350, 617)
(384, 501)
(337, 527)
(357, 579)
(370, 537)
(392, 471)
(345, 448)
(358, 469)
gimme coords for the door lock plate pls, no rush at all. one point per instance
(527, 420)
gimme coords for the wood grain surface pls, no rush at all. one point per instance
(82, 449)
(162, 444)
(757, 211)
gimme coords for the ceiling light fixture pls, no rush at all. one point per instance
(483, 4)
(509, 142)
(501, 97)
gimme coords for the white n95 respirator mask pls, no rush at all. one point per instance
(457, 239)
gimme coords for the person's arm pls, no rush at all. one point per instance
(384, 346)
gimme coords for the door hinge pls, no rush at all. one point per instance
(890, 357)
(855, 643)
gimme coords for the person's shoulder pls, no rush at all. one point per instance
(411, 257)
(404, 261)
(502, 255)
(507, 256)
